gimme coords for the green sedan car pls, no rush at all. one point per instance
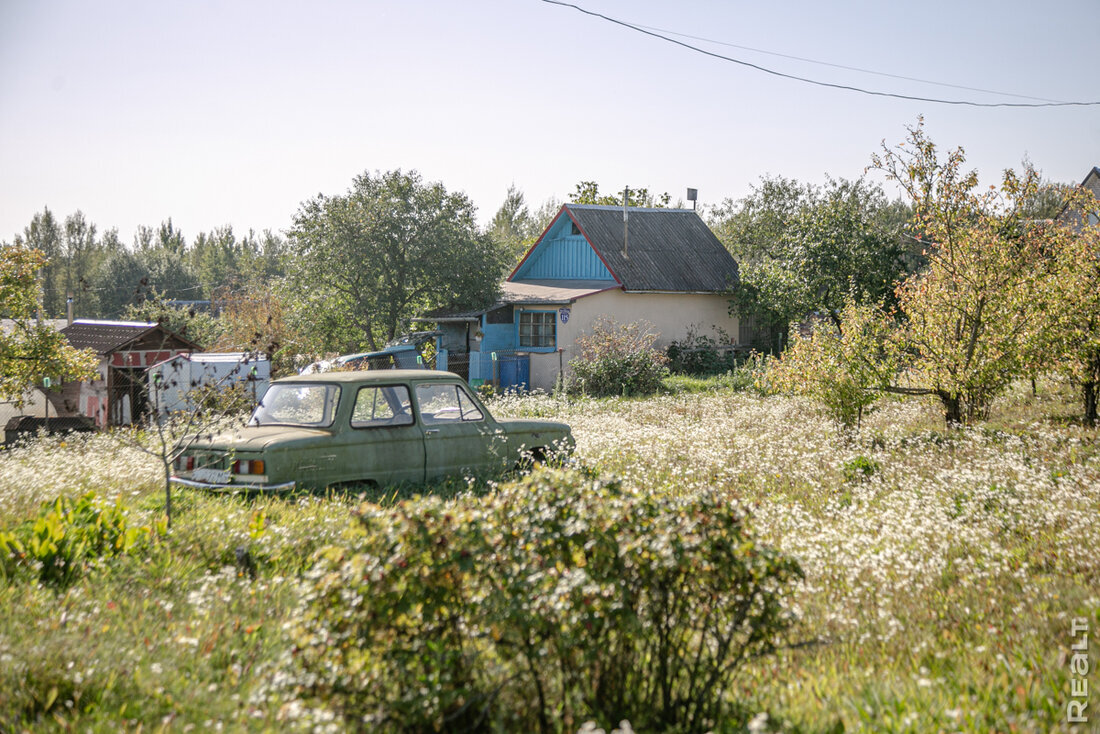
(353, 428)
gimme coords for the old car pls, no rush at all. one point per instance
(368, 427)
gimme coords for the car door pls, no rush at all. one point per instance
(460, 437)
(386, 446)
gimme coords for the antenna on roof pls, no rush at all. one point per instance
(626, 222)
(693, 194)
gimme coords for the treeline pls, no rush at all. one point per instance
(105, 276)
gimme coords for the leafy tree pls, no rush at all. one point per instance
(804, 249)
(513, 227)
(1071, 341)
(31, 350)
(588, 192)
(258, 319)
(969, 317)
(192, 324)
(390, 248)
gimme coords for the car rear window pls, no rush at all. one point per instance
(297, 405)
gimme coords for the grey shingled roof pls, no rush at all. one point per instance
(668, 249)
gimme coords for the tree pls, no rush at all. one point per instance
(390, 248)
(44, 234)
(257, 318)
(31, 350)
(804, 249)
(969, 317)
(190, 323)
(1070, 343)
(588, 192)
(513, 227)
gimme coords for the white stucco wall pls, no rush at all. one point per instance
(671, 314)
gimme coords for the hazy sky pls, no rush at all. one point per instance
(217, 113)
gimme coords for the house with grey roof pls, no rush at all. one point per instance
(1075, 218)
(663, 266)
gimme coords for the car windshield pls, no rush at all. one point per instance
(297, 405)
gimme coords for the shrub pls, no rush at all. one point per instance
(701, 355)
(65, 536)
(618, 360)
(562, 598)
(842, 369)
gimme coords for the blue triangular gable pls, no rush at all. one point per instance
(561, 255)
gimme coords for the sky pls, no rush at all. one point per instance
(216, 113)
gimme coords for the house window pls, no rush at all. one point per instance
(575, 230)
(537, 329)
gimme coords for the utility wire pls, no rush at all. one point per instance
(968, 103)
(849, 68)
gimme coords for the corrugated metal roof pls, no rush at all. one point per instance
(107, 336)
(102, 336)
(668, 249)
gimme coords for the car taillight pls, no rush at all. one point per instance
(248, 466)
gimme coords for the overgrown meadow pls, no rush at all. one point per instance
(943, 569)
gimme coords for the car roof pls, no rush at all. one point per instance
(373, 376)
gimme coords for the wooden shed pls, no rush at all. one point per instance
(119, 396)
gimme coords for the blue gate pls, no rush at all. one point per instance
(514, 371)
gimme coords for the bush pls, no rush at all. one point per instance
(617, 360)
(701, 355)
(562, 598)
(66, 535)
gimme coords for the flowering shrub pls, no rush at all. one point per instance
(618, 360)
(561, 598)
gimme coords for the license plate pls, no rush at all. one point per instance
(211, 476)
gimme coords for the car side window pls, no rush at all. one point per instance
(381, 405)
(446, 404)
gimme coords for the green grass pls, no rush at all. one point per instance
(943, 568)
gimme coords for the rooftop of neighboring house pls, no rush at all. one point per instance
(109, 336)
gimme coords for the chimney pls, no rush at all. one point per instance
(69, 308)
(693, 194)
(626, 223)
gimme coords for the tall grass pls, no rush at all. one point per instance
(943, 568)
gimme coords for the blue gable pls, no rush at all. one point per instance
(562, 255)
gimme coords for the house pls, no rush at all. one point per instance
(1091, 183)
(663, 266)
(119, 395)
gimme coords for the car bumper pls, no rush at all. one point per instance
(234, 486)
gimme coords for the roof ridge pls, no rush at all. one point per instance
(619, 207)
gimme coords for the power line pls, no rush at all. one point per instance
(773, 72)
(849, 68)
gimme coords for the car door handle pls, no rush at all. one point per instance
(430, 431)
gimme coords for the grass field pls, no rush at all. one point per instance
(943, 569)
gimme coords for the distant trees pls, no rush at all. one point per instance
(513, 228)
(588, 192)
(390, 248)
